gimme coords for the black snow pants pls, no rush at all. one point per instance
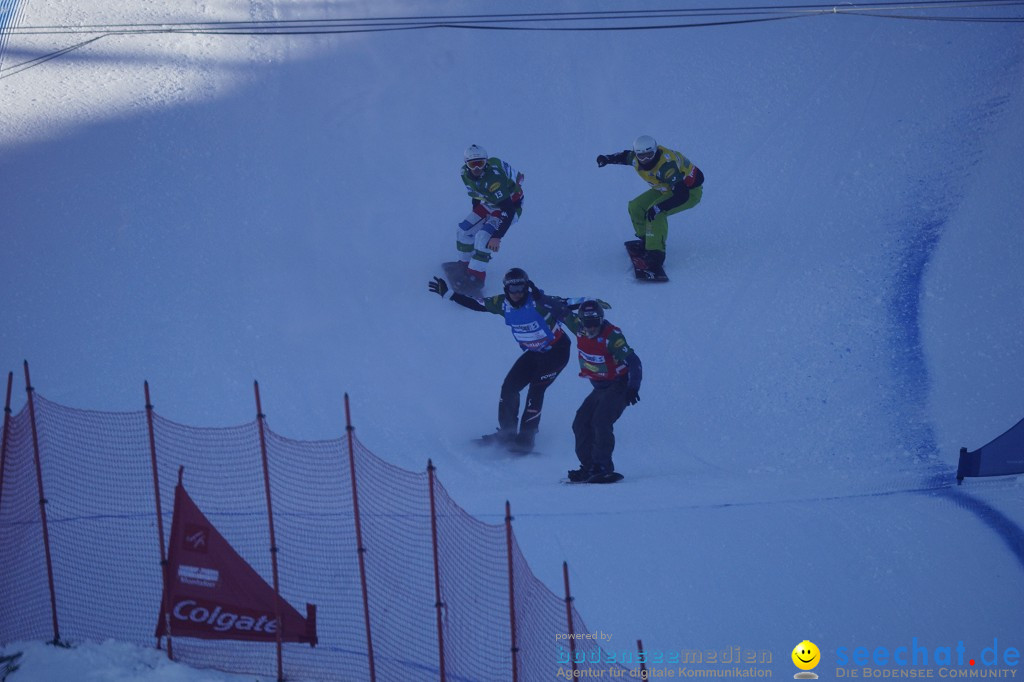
(595, 438)
(538, 371)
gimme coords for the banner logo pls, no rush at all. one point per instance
(195, 538)
(806, 656)
(213, 593)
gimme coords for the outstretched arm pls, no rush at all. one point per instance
(469, 302)
(440, 287)
(574, 302)
(621, 158)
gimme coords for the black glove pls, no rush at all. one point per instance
(438, 286)
(653, 211)
(632, 396)
(602, 160)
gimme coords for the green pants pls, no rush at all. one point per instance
(655, 232)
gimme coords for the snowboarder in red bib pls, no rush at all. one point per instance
(615, 373)
(533, 318)
(676, 185)
(496, 191)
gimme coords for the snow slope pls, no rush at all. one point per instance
(844, 312)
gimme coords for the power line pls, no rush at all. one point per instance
(480, 20)
(23, 66)
(524, 21)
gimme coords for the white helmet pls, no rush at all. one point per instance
(476, 159)
(645, 148)
(474, 152)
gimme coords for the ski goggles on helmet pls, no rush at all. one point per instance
(647, 155)
(591, 316)
(515, 288)
(476, 164)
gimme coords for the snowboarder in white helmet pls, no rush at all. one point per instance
(676, 185)
(615, 373)
(533, 318)
(496, 191)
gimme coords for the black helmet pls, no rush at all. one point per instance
(516, 281)
(591, 314)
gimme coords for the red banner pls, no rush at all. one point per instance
(212, 593)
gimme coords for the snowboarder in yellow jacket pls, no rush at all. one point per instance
(676, 185)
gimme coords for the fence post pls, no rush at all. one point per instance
(260, 418)
(437, 573)
(511, 593)
(42, 505)
(159, 525)
(568, 616)
(6, 435)
(643, 659)
(360, 550)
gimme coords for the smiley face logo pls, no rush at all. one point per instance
(806, 655)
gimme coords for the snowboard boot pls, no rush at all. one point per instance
(472, 283)
(603, 474)
(579, 475)
(523, 443)
(503, 437)
(654, 259)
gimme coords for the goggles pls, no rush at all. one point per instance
(476, 164)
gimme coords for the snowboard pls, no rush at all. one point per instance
(613, 477)
(640, 269)
(455, 273)
(511, 446)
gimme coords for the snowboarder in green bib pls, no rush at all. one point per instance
(675, 186)
(496, 191)
(533, 318)
(615, 374)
